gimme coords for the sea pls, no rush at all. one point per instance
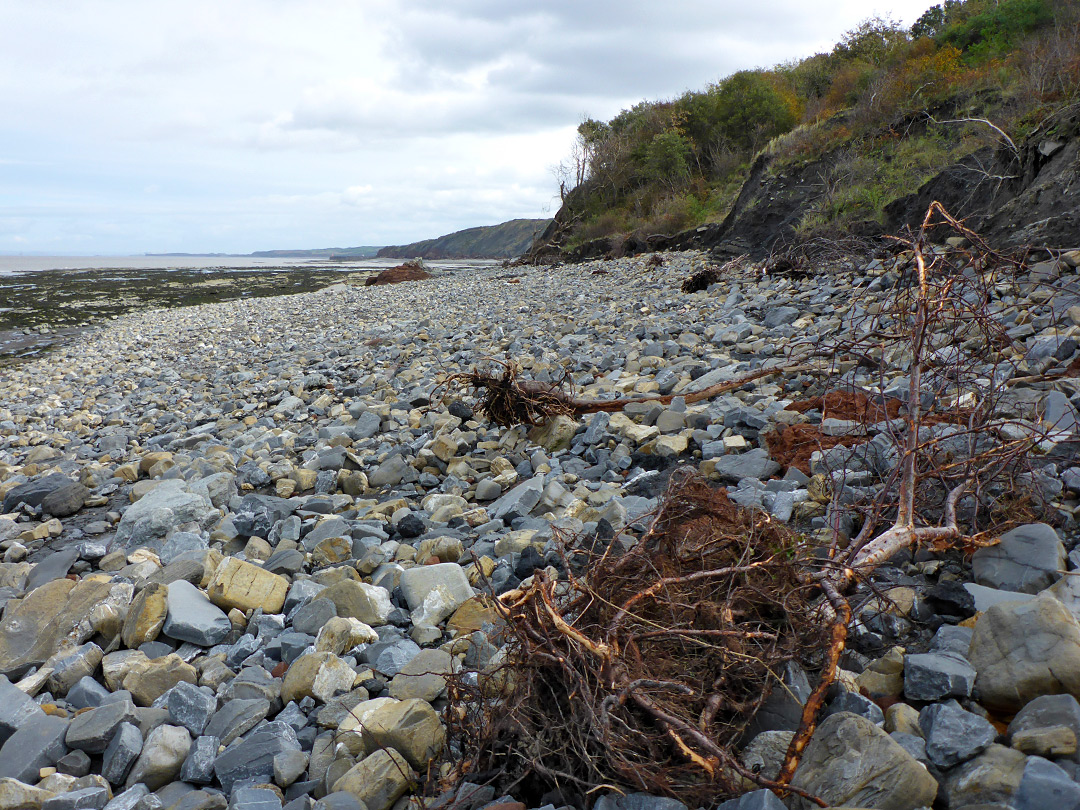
(20, 265)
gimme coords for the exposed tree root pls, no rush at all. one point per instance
(646, 671)
(508, 399)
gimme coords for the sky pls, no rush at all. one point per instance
(208, 126)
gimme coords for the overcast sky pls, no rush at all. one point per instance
(154, 126)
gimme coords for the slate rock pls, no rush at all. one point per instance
(763, 799)
(754, 463)
(1027, 559)
(16, 708)
(520, 500)
(151, 518)
(854, 703)
(251, 760)
(933, 676)
(1045, 785)
(65, 500)
(237, 717)
(121, 753)
(310, 618)
(190, 707)
(954, 735)
(88, 798)
(191, 616)
(951, 601)
(198, 768)
(252, 798)
(93, 730)
(38, 744)
(53, 567)
(33, 492)
(256, 514)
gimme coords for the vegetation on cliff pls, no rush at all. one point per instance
(841, 135)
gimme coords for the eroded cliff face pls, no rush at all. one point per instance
(1027, 195)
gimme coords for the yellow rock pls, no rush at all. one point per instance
(145, 616)
(151, 460)
(239, 584)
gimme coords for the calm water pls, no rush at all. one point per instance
(18, 265)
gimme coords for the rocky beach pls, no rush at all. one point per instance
(247, 543)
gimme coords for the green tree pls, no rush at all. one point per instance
(667, 159)
(749, 110)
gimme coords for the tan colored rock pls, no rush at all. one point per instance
(555, 434)
(33, 627)
(151, 460)
(378, 780)
(146, 616)
(474, 614)
(341, 634)
(320, 675)
(409, 726)
(116, 665)
(14, 795)
(1049, 741)
(424, 677)
(147, 682)
(241, 585)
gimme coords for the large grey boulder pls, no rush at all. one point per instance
(1046, 786)
(953, 735)
(171, 503)
(933, 676)
(1027, 559)
(520, 500)
(852, 762)
(1047, 712)
(754, 463)
(38, 744)
(1021, 650)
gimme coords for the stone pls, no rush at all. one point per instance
(190, 707)
(519, 500)
(933, 676)
(53, 567)
(555, 434)
(340, 635)
(16, 795)
(179, 543)
(850, 761)
(765, 753)
(145, 616)
(1046, 785)
(93, 730)
(1051, 741)
(763, 799)
(237, 717)
(424, 677)
(388, 657)
(198, 768)
(954, 735)
(1021, 650)
(152, 680)
(319, 674)
(1028, 559)
(288, 767)
(38, 744)
(991, 778)
(244, 586)
(171, 503)
(854, 703)
(192, 617)
(360, 600)
(378, 780)
(88, 798)
(16, 708)
(434, 592)
(488, 489)
(390, 473)
(411, 727)
(33, 627)
(65, 500)
(754, 463)
(251, 760)
(33, 492)
(121, 753)
(310, 618)
(162, 756)
(256, 514)
(1045, 712)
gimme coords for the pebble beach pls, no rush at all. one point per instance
(243, 542)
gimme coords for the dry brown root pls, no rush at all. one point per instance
(645, 671)
(507, 399)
